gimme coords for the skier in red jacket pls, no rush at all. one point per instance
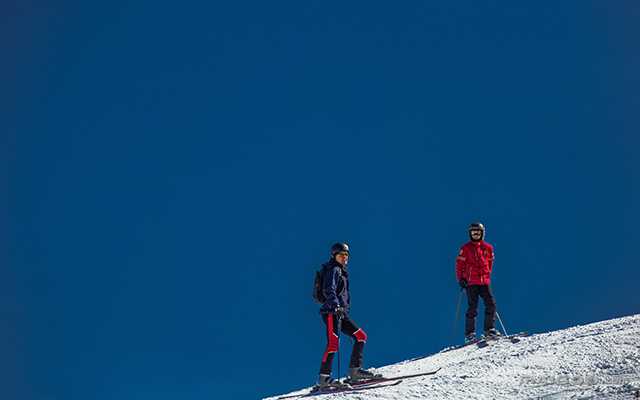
(473, 271)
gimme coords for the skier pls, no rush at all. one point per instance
(473, 271)
(335, 315)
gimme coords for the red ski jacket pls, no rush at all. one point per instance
(475, 262)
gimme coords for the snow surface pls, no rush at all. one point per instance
(595, 361)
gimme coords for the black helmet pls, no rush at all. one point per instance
(475, 226)
(339, 247)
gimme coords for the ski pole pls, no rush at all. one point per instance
(455, 321)
(501, 324)
(338, 352)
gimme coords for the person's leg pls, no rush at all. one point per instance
(489, 308)
(356, 373)
(359, 339)
(472, 310)
(331, 330)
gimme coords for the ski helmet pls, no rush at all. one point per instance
(338, 248)
(476, 226)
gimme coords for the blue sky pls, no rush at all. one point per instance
(176, 173)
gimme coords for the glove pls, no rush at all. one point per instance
(463, 283)
(340, 312)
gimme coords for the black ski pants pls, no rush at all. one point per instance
(333, 327)
(473, 292)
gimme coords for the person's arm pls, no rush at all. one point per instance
(330, 288)
(492, 257)
(461, 265)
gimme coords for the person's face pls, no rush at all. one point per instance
(342, 258)
(476, 234)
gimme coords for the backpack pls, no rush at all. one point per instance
(318, 293)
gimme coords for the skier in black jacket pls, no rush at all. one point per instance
(335, 315)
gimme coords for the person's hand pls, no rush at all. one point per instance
(340, 312)
(463, 283)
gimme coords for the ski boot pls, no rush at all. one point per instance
(359, 375)
(470, 338)
(491, 334)
(326, 383)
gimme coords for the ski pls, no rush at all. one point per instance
(481, 342)
(514, 338)
(393, 378)
(362, 385)
(371, 385)
(456, 347)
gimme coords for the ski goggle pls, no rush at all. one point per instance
(475, 232)
(342, 253)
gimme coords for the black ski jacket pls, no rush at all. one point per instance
(335, 286)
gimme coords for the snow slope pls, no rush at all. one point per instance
(595, 361)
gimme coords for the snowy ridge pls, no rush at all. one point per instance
(596, 361)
